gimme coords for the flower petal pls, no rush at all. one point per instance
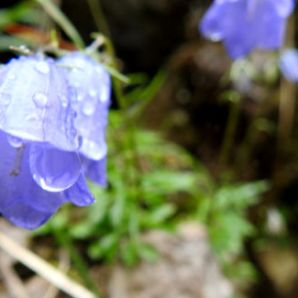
(23, 202)
(91, 86)
(25, 216)
(52, 169)
(35, 103)
(246, 25)
(95, 170)
(79, 193)
(288, 63)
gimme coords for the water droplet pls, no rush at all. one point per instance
(5, 99)
(92, 92)
(104, 94)
(80, 97)
(64, 101)
(24, 49)
(88, 108)
(94, 150)
(32, 117)
(40, 99)
(54, 170)
(14, 141)
(42, 67)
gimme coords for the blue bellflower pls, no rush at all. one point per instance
(244, 25)
(90, 87)
(288, 63)
(40, 167)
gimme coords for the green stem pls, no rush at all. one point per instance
(132, 160)
(230, 132)
(60, 18)
(98, 16)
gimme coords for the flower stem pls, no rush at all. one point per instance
(60, 18)
(98, 16)
(230, 131)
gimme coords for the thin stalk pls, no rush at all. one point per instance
(230, 132)
(287, 96)
(60, 18)
(132, 160)
(99, 18)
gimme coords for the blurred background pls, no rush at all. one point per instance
(202, 199)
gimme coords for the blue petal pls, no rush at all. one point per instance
(52, 169)
(35, 103)
(25, 216)
(288, 63)
(211, 25)
(79, 193)
(95, 170)
(246, 25)
(91, 87)
(283, 7)
(23, 202)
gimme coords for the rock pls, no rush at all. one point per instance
(186, 269)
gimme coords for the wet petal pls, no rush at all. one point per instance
(95, 170)
(23, 202)
(52, 169)
(288, 63)
(91, 87)
(283, 7)
(79, 193)
(25, 216)
(31, 106)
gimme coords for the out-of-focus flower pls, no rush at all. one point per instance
(90, 87)
(244, 25)
(288, 63)
(40, 168)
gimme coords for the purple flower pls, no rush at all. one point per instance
(244, 25)
(288, 63)
(40, 168)
(90, 87)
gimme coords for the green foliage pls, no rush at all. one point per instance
(158, 189)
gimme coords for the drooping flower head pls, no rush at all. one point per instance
(90, 87)
(40, 166)
(244, 25)
(288, 63)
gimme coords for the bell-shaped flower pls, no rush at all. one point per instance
(40, 168)
(244, 25)
(35, 102)
(288, 63)
(91, 91)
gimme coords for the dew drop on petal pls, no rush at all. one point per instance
(42, 67)
(88, 108)
(14, 141)
(64, 101)
(92, 93)
(80, 97)
(32, 117)
(40, 99)
(104, 95)
(54, 170)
